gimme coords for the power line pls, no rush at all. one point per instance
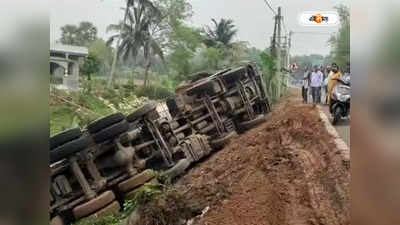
(311, 32)
(270, 7)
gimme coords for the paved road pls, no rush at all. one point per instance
(342, 127)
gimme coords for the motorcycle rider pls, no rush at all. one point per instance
(332, 82)
(327, 74)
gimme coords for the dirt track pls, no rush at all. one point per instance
(286, 171)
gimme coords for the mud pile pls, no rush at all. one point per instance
(286, 171)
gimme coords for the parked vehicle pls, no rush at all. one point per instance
(92, 171)
(340, 101)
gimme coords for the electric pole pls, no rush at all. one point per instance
(278, 19)
(277, 50)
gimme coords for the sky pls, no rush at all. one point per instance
(253, 19)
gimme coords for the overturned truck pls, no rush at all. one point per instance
(94, 170)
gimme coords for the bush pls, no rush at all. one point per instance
(153, 92)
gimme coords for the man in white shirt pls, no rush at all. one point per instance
(316, 83)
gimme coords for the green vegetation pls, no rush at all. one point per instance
(268, 66)
(73, 109)
(341, 41)
(80, 35)
(151, 51)
(148, 192)
(91, 65)
(107, 220)
(137, 32)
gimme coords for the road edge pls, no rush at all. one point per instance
(340, 144)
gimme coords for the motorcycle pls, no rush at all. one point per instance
(340, 100)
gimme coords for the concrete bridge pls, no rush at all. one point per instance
(64, 64)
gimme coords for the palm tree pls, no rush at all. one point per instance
(137, 32)
(222, 32)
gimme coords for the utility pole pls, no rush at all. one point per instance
(277, 49)
(278, 19)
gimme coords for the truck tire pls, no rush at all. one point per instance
(93, 205)
(68, 149)
(337, 114)
(111, 132)
(64, 137)
(219, 143)
(57, 221)
(111, 209)
(135, 181)
(140, 112)
(246, 125)
(268, 108)
(104, 122)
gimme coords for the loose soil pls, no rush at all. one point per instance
(285, 171)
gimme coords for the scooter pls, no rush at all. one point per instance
(340, 100)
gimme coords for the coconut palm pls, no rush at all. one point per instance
(222, 32)
(137, 32)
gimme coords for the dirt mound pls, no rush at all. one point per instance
(286, 171)
(169, 208)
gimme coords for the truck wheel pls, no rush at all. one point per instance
(111, 132)
(140, 112)
(178, 169)
(111, 209)
(68, 149)
(337, 115)
(221, 142)
(269, 109)
(136, 181)
(57, 221)
(93, 205)
(64, 137)
(104, 122)
(246, 125)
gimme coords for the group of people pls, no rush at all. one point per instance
(320, 80)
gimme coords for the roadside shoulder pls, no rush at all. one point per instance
(340, 144)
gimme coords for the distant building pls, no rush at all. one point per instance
(64, 64)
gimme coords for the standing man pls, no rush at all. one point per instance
(332, 81)
(306, 82)
(316, 83)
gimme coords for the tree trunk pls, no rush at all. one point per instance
(112, 73)
(146, 74)
(115, 57)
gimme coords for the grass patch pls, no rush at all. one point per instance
(115, 219)
(78, 109)
(61, 119)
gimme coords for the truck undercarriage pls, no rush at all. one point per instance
(92, 169)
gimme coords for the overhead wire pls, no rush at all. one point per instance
(311, 32)
(270, 7)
